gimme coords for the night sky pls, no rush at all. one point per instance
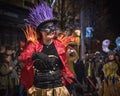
(115, 15)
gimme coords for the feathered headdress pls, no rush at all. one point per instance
(41, 14)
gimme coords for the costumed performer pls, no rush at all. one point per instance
(45, 71)
(111, 83)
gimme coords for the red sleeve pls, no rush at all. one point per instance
(27, 72)
(67, 74)
(26, 55)
(62, 54)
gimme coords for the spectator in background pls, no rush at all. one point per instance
(6, 85)
(14, 63)
(111, 83)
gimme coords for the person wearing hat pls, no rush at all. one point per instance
(111, 82)
(45, 72)
(117, 52)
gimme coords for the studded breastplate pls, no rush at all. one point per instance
(46, 77)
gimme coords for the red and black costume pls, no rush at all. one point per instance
(28, 73)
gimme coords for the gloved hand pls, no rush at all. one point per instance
(40, 65)
(41, 60)
(39, 55)
(52, 60)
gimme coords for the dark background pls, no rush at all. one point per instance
(114, 9)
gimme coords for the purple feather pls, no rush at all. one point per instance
(39, 14)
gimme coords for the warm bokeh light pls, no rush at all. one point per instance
(77, 32)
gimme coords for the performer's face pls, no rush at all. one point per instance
(48, 36)
(48, 30)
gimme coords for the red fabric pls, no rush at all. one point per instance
(27, 72)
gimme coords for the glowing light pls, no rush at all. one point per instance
(77, 32)
(118, 42)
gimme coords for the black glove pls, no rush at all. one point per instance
(39, 55)
(53, 61)
(40, 65)
(41, 60)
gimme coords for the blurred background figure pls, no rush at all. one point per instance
(2, 49)
(111, 83)
(14, 62)
(6, 84)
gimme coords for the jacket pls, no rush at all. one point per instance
(27, 72)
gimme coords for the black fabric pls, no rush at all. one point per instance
(39, 55)
(47, 68)
(41, 65)
(49, 79)
(48, 28)
(51, 50)
(49, 85)
(38, 29)
(45, 63)
(41, 61)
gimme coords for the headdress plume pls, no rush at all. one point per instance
(40, 14)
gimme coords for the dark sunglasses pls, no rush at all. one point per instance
(48, 28)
